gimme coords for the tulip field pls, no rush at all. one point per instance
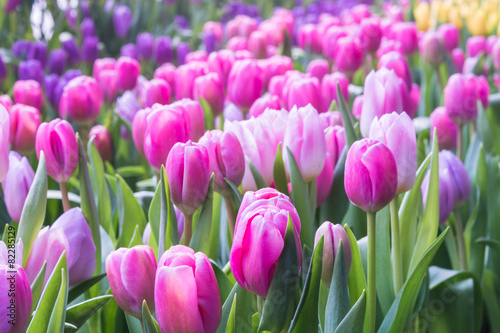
(185, 166)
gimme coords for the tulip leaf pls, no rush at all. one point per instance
(225, 284)
(80, 288)
(354, 320)
(167, 222)
(300, 199)
(493, 206)
(208, 115)
(34, 208)
(259, 180)
(231, 322)
(244, 313)
(385, 286)
(136, 238)
(401, 309)
(130, 212)
(279, 306)
(490, 297)
(338, 304)
(46, 306)
(37, 285)
(356, 280)
(306, 314)
(235, 194)
(79, 313)
(279, 173)
(201, 240)
(58, 316)
(350, 133)
(149, 324)
(216, 224)
(494, 244)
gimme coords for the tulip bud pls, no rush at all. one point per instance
(370, 35)
(30, 70)
(450, 36)
(28, 93)
(432, 48)
(101, 65)
(17, 183)
(4, 142)
(38, 51)
(127, 106)
(182, 51)
(163, 50)
(69, 46)
(122, 20)
(129, 50)
(145, 42)
(90, 50)
(276, 85)
(348, 57)
(318, 68)
(187, 169)
(166, 72)
(308, 38)
(57, 61)
(185, 76)
(24, 122)
(301, 91)
(257, 44)
(128, 71)
(58, 142)
(371, 175)
(333, 234)
(476, 45)
(225, 157)
(194, 117)
(460, 98)
(329, 89)
(259, 237)
(458, 57)
(81, 100)
(186, 293)
(102, 141)
(447, 130)
(267, 101)
(125, 268)
(406, 34)
(397, 62)
(210, 88)
(87, 28)
(221, 63)
(155, 91)
(245, 83)
(108, 81)
(139, 127)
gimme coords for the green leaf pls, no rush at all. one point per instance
(207, 114)
(350, 133)
(235, 194)
(430, 222)
(130, 213)
(132, 171)
(494, 244)
(354, 320)
(279, 306)
(356, 280)
(385, 286)
(33, 212)
(259, 180)
(80, 288)
(58, 316)
(401, 309)
(79, 313)
(37, 285)
(149, 324)
(231, 322)
(491, 300)
(136, 238)
(225, 284)
(279, 173)
(244, 313)
(300, 199)
(338, 304)
(306, 314)
(200, 241)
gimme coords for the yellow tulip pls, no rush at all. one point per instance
(455, 17)
(492, 22)
(476, 22)
(422, 13)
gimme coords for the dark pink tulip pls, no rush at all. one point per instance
(108, 80)
(185, 76)
(6, 101)
(57, 140)
(333, 234)
(432, 49)
(4, 142)
(257, 44)
(348, 57)
(447, 130)
(318, 68)
(128, 71)
(357, 106)
(482, 90)
(329, 88)
(476, 45)
(17, 183)
(125, 268)
(301, 91)
(210, 88)
(490, 42)
(370, 35)
(102, 141)
(199, 55)
(276, 85)
(155, 91)
(221, 63)
(397, 62)
(81, 100)
(24, 122)
(371, 175)
(414, 100)
(237, 43)
(308, 38)
(245, 83)
(450, 35)
(263, 103)
(330, 38)
(458, 57)
(406, 34)
(273, 66)
(102, 64)
(495, 55)
(187, 169)
(389, 45)
(139, 126)
(28, 92)
(460, 98)
(187, 297)
(193, 113)
(258, 238)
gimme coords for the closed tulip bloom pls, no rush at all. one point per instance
(163, 50)
(28, 93)
(495, 55)
(259, 238)
(139, 126)
(348, 56)
(371, 175)
(447, 130)
(165, 127)
(122, 20)
(155, 91)
(305, 139)
(257, 44)
(276, 85)
(58, 142)
(30, 70)
(90, 49)
(267, 101)
(458, 57)
(102, 141)
(273, 66)
(69, 46)
(329, 89)
(333, 234)
(182, 50)
(210, 88)
(187, 169)
(81, 100)
(108, 81)
(38, 51)
(450, 36)
(245, 83)
(24, 122)
(87, 28)
(460, 98)
(318, 68)
(129, 50)
(325, 180)
(186, 293)
(396, 131)
(446, 197)
(185, 76)
(432, 49)
(357, 106)
(383, 94)
(17, 183)
(226, 159)
(459, 177)
(397, 62)
(57, 61)
(476, 45)
(301, 91)
(406, 34)
(145, 43)
(128, 71)
(221, 63)
(370, 35)
(166, 72)
(4, 142)
(125, 268)
(309, 39)
(194, 116)
(6, 101)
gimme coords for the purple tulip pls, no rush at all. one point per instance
(163, 50)
(127, 106)
(10, 6)
(87, 28)
(90, 50)
(122, 20)
(210, 41)
(59, 88)
(30, 70)
(145, 43)
(447, 130)
(57, 61)
(432, 49)
(182, 50)
(38, 51)
(69, 46)
(17, 183)
(129, 50)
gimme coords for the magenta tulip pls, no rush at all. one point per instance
(210, 88)
(398, 63)
(81, 100)
(450, 35)
(139, 126)
(495, 54)
(458, 57)
(370, 35)
(28, 92)
(406, 34)
(301, 91)
(167, 73)
(101, 65)
(108, 80)
(128, 71)
(357, 106)
(257, 44)
(460, 98)
(309, 39)
(329, 89)
(221, 63)
(17, 184)
(348, 57)
(6, 101)
(155, 91)
(447, 130)
(24, 122)
(245, 83)
(102, 141)
(185, 76)
(267, 101)
(4, 142)
(476, 45)
(318, 68)
(194, 117)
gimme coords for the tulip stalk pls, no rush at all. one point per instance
(188, 228)
(372, 285)
(459, 142)
(64, 194)
(397, 259)
(231, 217)
(462, 257)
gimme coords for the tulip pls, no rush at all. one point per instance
(221, 63)
(331, 118)
(357, 106)
(458, 57)
(61, 84)
(445, 195)
(333, 234)
(17, 183)
(57, 61)
(495, 55)
(371, 175)
(10, 6)
(396, 131)
(210, 88)
(308, 38)
(215, 28)
(257, 44)
(145, 43)
(125, 268)
(397, 62)
(166, 72)
(186, 293)
(139, 127)
(301, 91)
(447, 130)
(460, 98)
(182, 51)
(38, 51)
(127, 106)
(108, 81)
(28, 93)
(210, 41)
(90, 50)
(185, 76)
(24, 122)
(476, 45)
(129, 50)
(193, 113)
(87, 28)
(383, 94)
(450, 36)
(318, 68)
(245, 83)
(432, 49)
(273, 66)
(163, 50)
(122, 20)
(81, 100)
(128, 71)
(348, 57)
(6, 101)
(370, 35)
(30, 70)
(102, 141)
(329, 89)
(459, 177)
(155, 91)
(259, 238)
(406, 34)
(305, 139)
(325, 180)
(69, 46)
(276, 85)
(58, 142)
(267, 101)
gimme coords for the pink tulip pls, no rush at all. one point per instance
(210, 88)
(108, 80)
(357, 106)
(259, 238)
(57, 140)
(348, 57)
(193, 113)
(81, 100)
(215, 28)
(245, 83)
(406, 34)
(102, 141)
(221, 63)
(318, 68)
(199, 55)
(447, 130)
(370, 35)
(4, 142)
(276, 85)
(389, 45)
(330, 39)
(329, 89)
(6, 101)
(187, 169)
(167, 73)
(257, 44)
(476, 45)
(24, 122)
(371, 175)
(139, 126)
(397, 62)
(267, 101)
(155, 91)
(432, 49)
(101, 65)
(187, 297)
(128, 71)
(17, 184)
(495, 54)
(325, 180)
(301, 91)
(331, 118)
(185, 76)
(450, 35)
(460, 98)
(28, 93)
(125, 268)
(309, 39)
(458, 57)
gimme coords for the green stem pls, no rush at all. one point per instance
(64, 194)
(372, 283)
(260, 304)
(459, 141)
(397, 259)
(188, 228)
(462, 258)
(231, 217)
